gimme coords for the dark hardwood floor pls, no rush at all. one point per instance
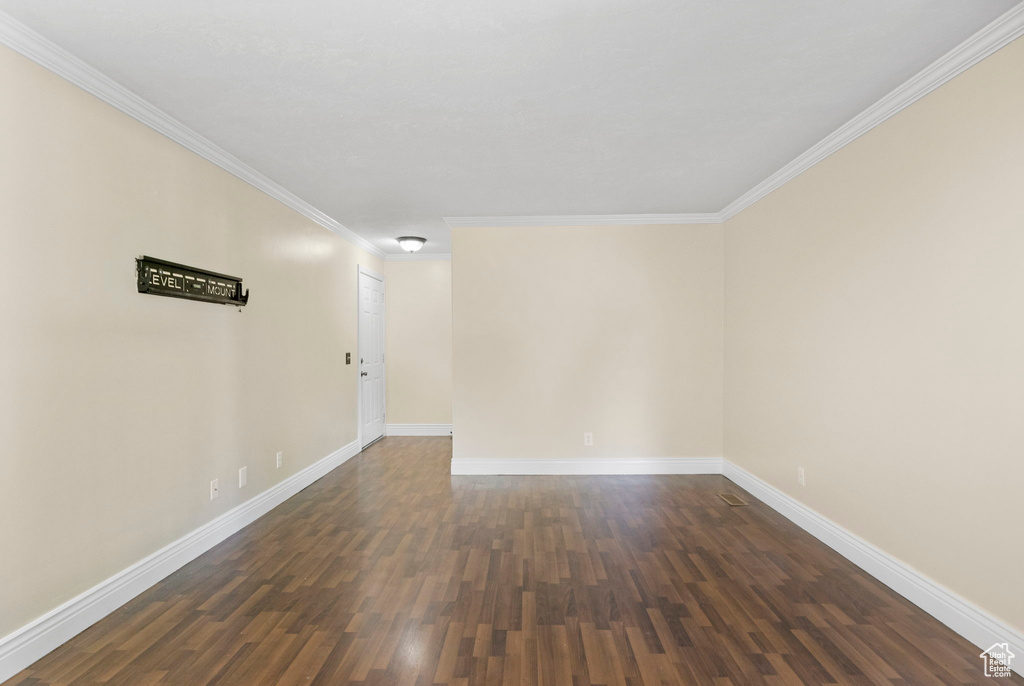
(391, 571)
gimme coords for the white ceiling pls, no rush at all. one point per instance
(388, 115)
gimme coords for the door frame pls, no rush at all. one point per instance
(361, 270)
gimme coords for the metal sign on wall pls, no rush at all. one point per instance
(160, 277)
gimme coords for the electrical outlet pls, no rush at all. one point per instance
(243, 477)
(800, 475)
(588, 439)
(214, 489)
(280, 460)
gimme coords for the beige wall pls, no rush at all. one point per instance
(117, 409)
(418, 307)
(562, 330)
(875, 335)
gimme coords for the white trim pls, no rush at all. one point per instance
(417, 429)
(960, 615)
(585, 220)
(47, 54)
(419, 257)
(370, 272)
(963, 617)
(24, 646)
(600, 465)
(359, 365)
(999, 33)
(1004, 30)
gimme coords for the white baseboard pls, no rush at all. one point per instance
(960, 615)
(21, 648)
(417, 429)
(601, 465)
(963, 617)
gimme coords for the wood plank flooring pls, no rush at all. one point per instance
(389, 571)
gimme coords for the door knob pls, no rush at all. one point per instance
(362, 373)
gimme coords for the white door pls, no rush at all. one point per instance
(371, 356)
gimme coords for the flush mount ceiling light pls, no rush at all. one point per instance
(411, 243)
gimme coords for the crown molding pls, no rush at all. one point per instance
(1004, 30)
(584, 220)
(988, 40)
(45, 53)
(419, 257)
(1001, 32)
